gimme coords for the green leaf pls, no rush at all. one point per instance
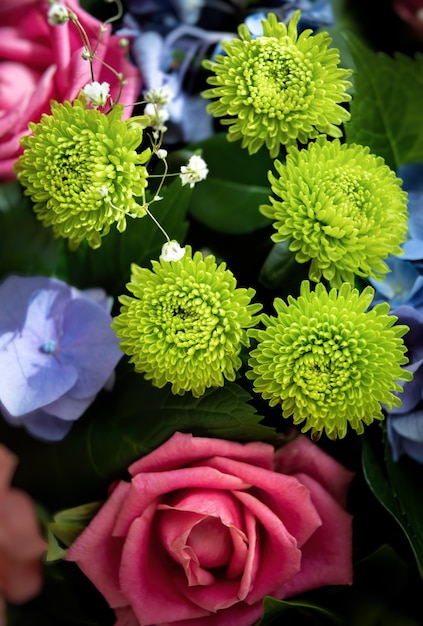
(110, 265)
(398, 487)
(295, 612)
(387, 111)
(280, 269)
(66, 526)
(26, 246)
(120, 427)
(228, 200)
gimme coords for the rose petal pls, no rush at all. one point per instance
(240, 614)
(174, 530)
(326, 557)
(182, 449)
(280, 558)
(145, 572)
(100, 539)
(145, 488)
(125, 617)
(302, 455)
(284, 495)
(211, 542)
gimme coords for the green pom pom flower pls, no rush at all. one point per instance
(278, 88)
(328, 361)
(186, 324)
(81, 169)
(341, 208)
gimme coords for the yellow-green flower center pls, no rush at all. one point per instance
(324, 361)
(275, 77)
(189, 315)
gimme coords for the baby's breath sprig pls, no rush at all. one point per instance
(58, 14)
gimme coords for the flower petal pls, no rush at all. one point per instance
(182, 449)
(100, 539)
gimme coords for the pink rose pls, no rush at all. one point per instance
(21, 544)
(206, 528)
(40, 63)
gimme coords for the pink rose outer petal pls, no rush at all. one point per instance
(302, 455)
(98, 539)
(327, 555)
(182, 449)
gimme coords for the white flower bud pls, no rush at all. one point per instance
(57, 14)
(172, 251)
(161, 153)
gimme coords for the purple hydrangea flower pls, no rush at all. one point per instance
(57, 350)
(405, 423)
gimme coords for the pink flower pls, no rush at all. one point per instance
(206, 528)
(411, 11)
(40, 63)
(21, 544)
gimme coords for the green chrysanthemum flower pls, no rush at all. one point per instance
(279, 88)
(82, 171)
(340, 207)
(186, 324)
(328, 361)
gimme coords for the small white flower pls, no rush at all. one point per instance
(172, 251)
(57, 14)
(103, 191)
(158, 116)
(161, 97)
(161, 153)
(97, 93)
(195, 170)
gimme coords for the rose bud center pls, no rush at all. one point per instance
(211, 542)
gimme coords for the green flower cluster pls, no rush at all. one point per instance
(327, 361)
(278, 88)
(186, 324)
(340, 207)
(81, 169)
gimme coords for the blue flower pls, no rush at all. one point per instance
(412, 177)
(314, 14)
(402, 286)
(405, 424)
(57, 350)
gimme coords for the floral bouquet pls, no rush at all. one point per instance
(211, 313)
